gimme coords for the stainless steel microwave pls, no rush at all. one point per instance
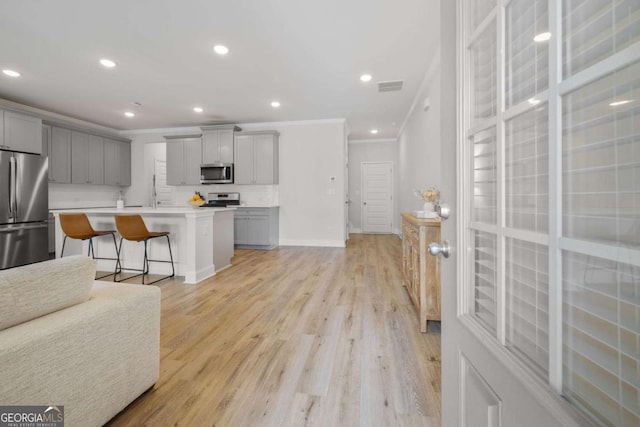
(216, 173)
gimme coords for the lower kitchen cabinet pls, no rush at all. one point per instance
(420, 270)
(256, 228)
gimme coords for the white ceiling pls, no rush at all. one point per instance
(308, 54)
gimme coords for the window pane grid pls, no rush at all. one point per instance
(602, 337)
(527, 302)
(484, 59)
(596, 29)
(527, 171)
(601, 160)
(527, 61)
(485, 278)
(484, 177)
(598, 151)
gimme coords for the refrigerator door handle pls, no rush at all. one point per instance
(15, 189)
(13, 229)
(12, 187)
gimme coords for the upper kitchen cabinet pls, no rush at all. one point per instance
(46, 140)
(184, 156)
(20, 132)
(117, 162)
(217, 143)
(256, 157)
(87, 159)
(59, 151)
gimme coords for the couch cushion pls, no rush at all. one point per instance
(35, 290)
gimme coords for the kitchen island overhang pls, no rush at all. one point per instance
(201, 240)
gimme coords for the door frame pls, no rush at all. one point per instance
(392, 184)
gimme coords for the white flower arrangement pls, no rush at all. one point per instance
(431, 194)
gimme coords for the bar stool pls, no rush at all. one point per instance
(133, 228)
(77, 226)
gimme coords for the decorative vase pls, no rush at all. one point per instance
(428, 207)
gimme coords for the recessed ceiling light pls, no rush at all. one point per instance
(621, 102)
(221, 49)
(129, 114)
(533, 101)
(275, 104)
(374, 131)
(542, 37)
(366, 77)
(11, 73)
(107, 63)
(198, 109)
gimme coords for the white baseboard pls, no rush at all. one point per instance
(313, 242)
(355, 230)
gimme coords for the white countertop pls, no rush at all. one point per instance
(174, 211)
(249, 205)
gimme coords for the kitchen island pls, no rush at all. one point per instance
(201, 240)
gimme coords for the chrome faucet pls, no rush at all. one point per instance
(154, 196)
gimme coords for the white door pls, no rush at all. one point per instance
(163, 192)
(377, 197)
(540, 297)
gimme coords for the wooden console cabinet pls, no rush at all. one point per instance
(420, 270)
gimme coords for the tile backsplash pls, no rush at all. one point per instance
(249, 194)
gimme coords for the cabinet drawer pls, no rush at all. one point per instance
(410, 232)
(251, 212)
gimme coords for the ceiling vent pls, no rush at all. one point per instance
(392, 86)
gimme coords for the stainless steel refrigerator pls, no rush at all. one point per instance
(24, 209)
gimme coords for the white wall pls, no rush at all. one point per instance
(419, 142)
(312, 208)
(372, 151)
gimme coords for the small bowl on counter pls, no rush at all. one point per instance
(196, 204)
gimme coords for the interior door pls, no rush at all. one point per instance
(377, 195)
(504, 355)
(163, 192)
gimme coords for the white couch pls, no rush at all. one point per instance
(66, 339)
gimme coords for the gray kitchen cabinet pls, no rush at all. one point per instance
(256, 157)
(46, 141)
(21, 133)
(87, 158)
(217, 143)
(125, 163)
(51, 232)
(184, 156)
(256, 228)
(59, 149)
(117, 162)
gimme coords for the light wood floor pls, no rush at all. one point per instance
(293, 337)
